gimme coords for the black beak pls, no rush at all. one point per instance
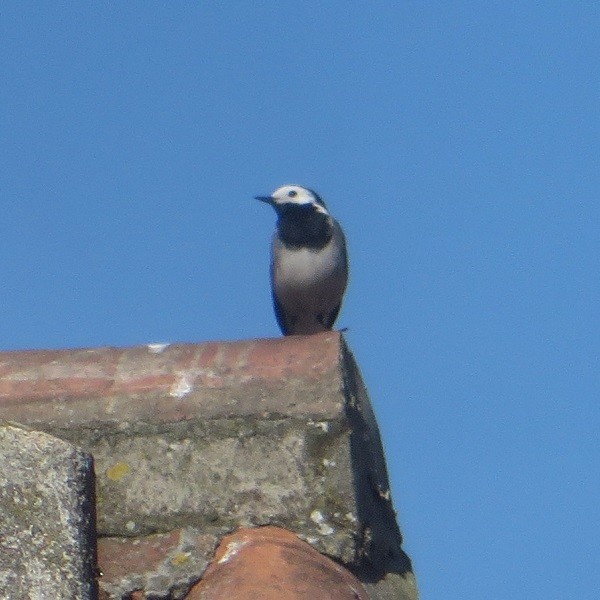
(267, 199)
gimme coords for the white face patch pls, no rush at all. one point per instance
(296, 194)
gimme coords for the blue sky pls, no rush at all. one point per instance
(457, 143)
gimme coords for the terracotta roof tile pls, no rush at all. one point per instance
(70, 387)
(274, 564)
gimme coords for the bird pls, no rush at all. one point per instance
(309, 262)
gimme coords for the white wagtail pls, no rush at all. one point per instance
(309, 265)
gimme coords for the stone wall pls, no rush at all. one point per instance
(273, 440)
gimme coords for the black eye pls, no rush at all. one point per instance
(292, 193)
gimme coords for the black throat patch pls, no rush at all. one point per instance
(302, 226)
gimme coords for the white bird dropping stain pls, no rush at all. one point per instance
(318, 518)
(232, 549)
(181, 386)
(156, 348)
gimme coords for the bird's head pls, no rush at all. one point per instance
(288, 196)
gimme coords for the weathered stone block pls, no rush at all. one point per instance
(47, 541)
(163, 565)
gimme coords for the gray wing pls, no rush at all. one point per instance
(329, 319)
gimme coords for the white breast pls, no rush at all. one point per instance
(305, 279)
(303, 267)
